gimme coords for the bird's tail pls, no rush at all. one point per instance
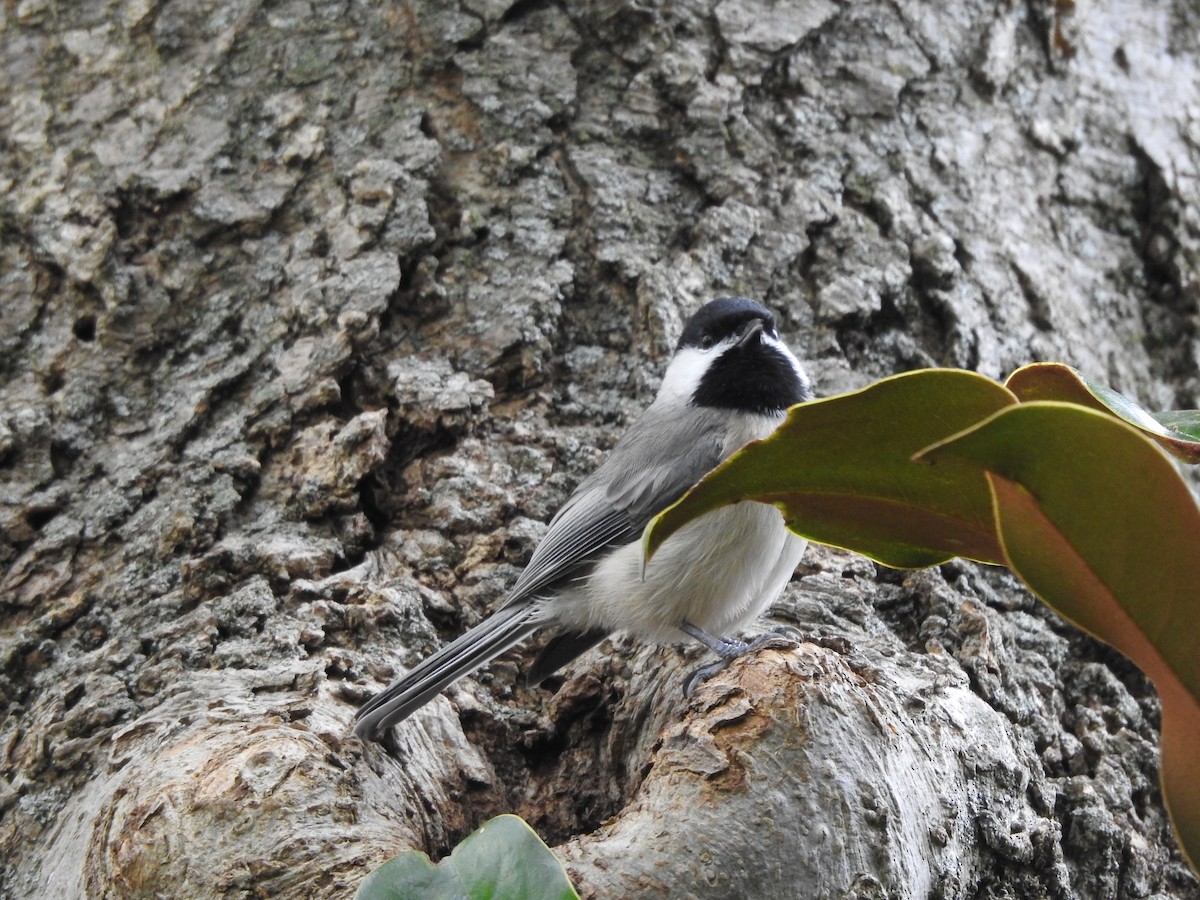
(461, 657)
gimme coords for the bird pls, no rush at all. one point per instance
(730, 380)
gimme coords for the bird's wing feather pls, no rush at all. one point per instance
(560, 650)
(681, 447)
(648, 470)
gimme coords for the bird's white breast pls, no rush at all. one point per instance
(718, 572)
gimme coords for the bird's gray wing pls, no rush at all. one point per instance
(683, 446)
(649, 469)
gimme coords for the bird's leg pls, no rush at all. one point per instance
(729, 649)
(726, 648)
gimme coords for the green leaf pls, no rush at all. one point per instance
(840, 471)
(408, 876)
(503, 860)
(1097, 521)
(1183, 422)
(1177, 432)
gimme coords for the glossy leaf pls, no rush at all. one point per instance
(1183, 422)
(502, 860)
(1097, 521)
(1177, 432)
(841, 472)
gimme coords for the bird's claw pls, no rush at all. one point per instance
(702, 674)
(781, 637)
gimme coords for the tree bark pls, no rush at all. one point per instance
(311, 314)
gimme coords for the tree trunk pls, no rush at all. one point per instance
(313, 312)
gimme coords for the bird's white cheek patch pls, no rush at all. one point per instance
(683, 375)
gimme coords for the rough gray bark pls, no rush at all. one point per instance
(312, 312)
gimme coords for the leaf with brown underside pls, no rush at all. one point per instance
(1176, 431)
(1098, 522)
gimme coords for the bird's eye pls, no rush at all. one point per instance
(706, 342)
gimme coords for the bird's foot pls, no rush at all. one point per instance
(698, 676)
(782, 637)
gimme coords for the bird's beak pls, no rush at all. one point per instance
(753, 330)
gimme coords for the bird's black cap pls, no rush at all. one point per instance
(717, 320)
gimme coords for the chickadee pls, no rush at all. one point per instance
(730, 381)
